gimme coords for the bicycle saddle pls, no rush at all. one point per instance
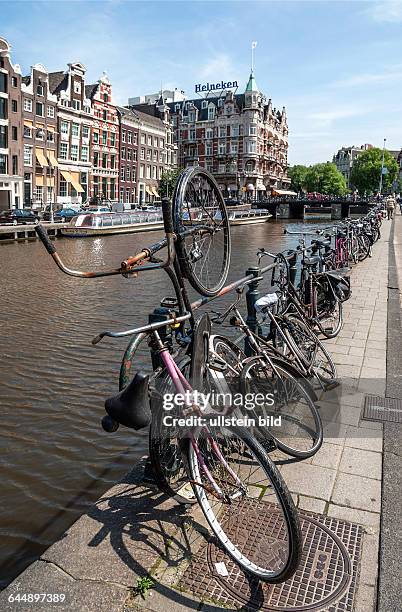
(311, 261)
(131, 407)
(322, 243)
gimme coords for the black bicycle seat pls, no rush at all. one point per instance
(131, 407)
(311, 261)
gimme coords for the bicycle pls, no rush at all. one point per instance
(232, 478)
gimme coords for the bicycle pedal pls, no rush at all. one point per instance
(219, 366)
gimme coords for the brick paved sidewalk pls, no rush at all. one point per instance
(133, 529)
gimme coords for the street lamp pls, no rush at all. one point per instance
(382, 166)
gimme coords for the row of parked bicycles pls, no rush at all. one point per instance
(241, 388)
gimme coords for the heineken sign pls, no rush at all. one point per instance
(199, 88)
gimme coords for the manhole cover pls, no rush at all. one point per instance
(382, 409)
(326, 579)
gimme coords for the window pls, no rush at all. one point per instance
(142, 138)
(142, 154)
(50, 112)
(76, 105)
(39, 90)
(253, 130)
(15, 165)
(112, 188)
(211, 113)
(149, 154)
(113, 162)
(123, 136)
(191, 116)
(39, 109)
(155, 142)
(96, 159)
(105, 97)
(209, 133)
(85, 131)
(3, 82)
(104, 115)
(84, 154)
(148, 172)
(128, 174)
(63, 187)
(233, 148)
(191, 135)
(3, 162)
(104, 137)
(27, 155)
(221, 168)
(162, 143)
(104, 160)
(96, 137)
(134, 173)
(63, 150)
(75, 129)
(27, 105)
(204, 104)
(161, 157)
(229, 109)
(134, 138)
(220, 102)
(27, 132)
(50, 136)
(77, 87)
(74, 152)
(155, 156)
(160, 173)
(121, 194)
(141, 171)
(222, 131)
(154, 175)
(134, 154)
(222, 148)
(14, 106)
(150, 141)
(112, 139)
(14, 133)
(234, 131)
(3, 108)
(64, 127)
(129, 154)
(252, 146)
(40, 132)
(122, 173)
(123, 153)
(39, 193)
(129, 137)
(14, 81)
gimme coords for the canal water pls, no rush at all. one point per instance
(55, 459)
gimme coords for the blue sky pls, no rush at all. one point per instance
(336, 66)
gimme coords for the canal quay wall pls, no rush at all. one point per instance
(22, 233)
(134, 531)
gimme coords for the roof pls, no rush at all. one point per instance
(252, 84)
(90, 90)
(137, 115)
(57, 81)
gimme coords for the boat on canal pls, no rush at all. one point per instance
(100, 224)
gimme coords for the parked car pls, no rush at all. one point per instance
(232, 202)
(19, 215)
(98, 209)
(64, 214)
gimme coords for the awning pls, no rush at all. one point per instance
(39, 180)
(51, 157)
(148, 190)
(40, 156)
(154, 191)
(250, 187)
(50, 128)
(75, 181)
(284, 192)
(28, 123)
(66, 175)
(50, 181)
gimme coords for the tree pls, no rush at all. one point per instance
(325, 178)
(298, 175)
(366, 171)
(168, 182)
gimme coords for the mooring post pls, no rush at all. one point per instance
(252, 296)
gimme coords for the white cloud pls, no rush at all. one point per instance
(328, 117)
(216, 67)
(367, 79)
(386, 11)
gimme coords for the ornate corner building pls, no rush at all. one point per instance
(240, 138)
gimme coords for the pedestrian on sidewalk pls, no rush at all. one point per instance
(390, 206)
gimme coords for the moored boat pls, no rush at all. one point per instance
(131, 221)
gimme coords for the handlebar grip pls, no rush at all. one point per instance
(43, 235)
(167, 215)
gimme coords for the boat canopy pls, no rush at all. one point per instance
(283, 192)
(114, 219)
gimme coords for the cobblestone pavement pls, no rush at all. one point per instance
(133, 530)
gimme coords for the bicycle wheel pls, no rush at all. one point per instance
(310, 349)
(164, 448)
(287, 413)
(202, 227)
(329, 310)
(364, 247)
(253, 500)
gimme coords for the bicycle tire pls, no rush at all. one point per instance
(330, 308)
(246, 510)
(204, 258)
(290, 395)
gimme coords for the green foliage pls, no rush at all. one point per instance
(167, 182)
(325, 178)
(144, 584)
(298, 176)
(366, 171)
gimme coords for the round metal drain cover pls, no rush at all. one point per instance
(323, 576)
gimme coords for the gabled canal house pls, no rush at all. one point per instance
(74, 121)
(105, 141)
(39, 109)
(11, 169)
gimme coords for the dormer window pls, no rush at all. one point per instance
(39, 90)
(191, 116)
(204, 104)
(220, 102)
(177, 107)
(211, 113)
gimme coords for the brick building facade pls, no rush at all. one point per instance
(11, 148)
